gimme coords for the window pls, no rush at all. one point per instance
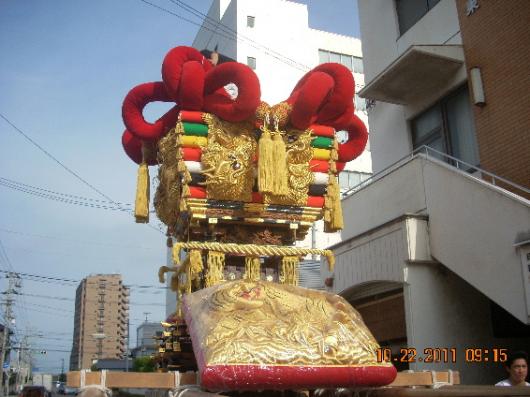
(360, 103)
(448, 127)
(349, 179)
(358, 65)
(250, 21)
(411, 11)
(355, 64)
(251, 62)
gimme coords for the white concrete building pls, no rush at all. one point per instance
(434, 254)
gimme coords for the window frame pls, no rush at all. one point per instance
(429, 6)
(250, 60)
(444, 132)
(251, 21)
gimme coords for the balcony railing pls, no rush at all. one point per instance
(435, 155)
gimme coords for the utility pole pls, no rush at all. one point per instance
(127, 348)
(13, 283)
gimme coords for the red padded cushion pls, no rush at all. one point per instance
(357, 138)
(216, 100)
(133, 106)
(133, 148)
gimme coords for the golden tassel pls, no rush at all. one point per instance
(252, 269)
(188, 275)
(215, 268)
(332, 167)
(266, 162)
(186, 177)
(280, 182)
(183, 206)
(335, 150)
(141, 205)
(185, 193)
(179, 128)
(179, 305)
(186, 190)
(333, 220)
(181, 166)
(289, 270)
(174, 283)
(196, 262)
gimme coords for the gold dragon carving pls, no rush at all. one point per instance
(168, 193)
(227, 160)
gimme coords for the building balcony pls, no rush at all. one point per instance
(416, 74)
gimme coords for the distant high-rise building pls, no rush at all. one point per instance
(101, 320)
(146, 344)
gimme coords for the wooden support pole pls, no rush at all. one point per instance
(133, 380)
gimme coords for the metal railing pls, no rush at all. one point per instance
(435, 155)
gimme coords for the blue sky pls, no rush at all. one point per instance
(65, 66)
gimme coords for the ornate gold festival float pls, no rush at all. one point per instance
(239, 182)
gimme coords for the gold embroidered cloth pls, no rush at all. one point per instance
(244, 322)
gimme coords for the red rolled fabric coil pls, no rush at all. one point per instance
(134, 104)
(257, 197)
(183, 72)
(197, 192)
(191, 154)
(133, 148)
(357, 138)
(322, 130)
(315, 201)
(191, 116)
(217, 101)
(323, 166)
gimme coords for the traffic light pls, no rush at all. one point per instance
(42, 352)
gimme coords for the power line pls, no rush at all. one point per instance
(130, 286)
(234, 35)
(240, 37)
(65, 200)
(63, 298)
(74, 240)
(61, 194)
(67, 169)
(44, 277)
(280, 58)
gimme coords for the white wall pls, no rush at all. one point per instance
(382, 45)
(473, 231)
(389, 135)
(443, 311)
(439, 26)
(394, 195)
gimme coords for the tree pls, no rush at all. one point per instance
(144, 364)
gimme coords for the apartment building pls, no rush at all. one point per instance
(436, 248)
(100, 321)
